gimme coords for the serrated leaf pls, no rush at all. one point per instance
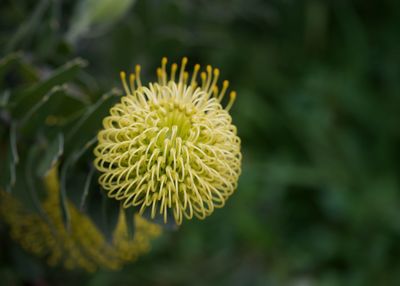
(130, 222)
(22, 102)
(52, 155)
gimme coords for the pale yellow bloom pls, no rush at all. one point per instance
(170, 146)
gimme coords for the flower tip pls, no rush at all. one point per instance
(122, 75)
(132, 82)
(232, 98)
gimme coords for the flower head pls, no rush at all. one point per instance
(170, 146)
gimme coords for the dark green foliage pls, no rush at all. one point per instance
(50, 118)
(318, 111)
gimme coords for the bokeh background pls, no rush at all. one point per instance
(318, 111)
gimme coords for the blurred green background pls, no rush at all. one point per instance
(318, 111)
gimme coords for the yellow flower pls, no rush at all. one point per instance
(170, 146)
(83, 246)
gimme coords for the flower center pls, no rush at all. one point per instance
(175, 114)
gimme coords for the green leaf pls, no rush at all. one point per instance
(86, 188)
(28, 28)
(7, 169)
(25, 188)
(66, 216)
(79, 152)
(130, 221)
(12, 160)
(32, 186)
(22, 102)
(7, 62)
(53, 114)
(51, 156)
(4, 98)
(110, 215)
(70, 161)
(13, 143)
(39, 105)
(27, 266)
(90, 122)
(93, 16)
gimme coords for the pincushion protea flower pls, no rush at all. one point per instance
(170, 146)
